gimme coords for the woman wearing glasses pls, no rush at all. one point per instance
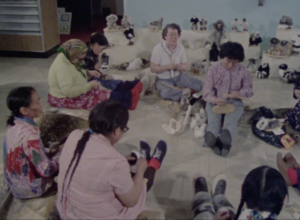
(94, 180)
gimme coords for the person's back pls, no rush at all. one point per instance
(91, 194)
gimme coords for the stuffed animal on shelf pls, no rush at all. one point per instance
(218, 34)
(194, 40)
(263, 71)
(112, 22)
(199, 67)
(296, 44)
(194, 21)
(288, 74)
(253, 64)
(156, 25)
(125, 22)
(129, 34)
(245, 25)
(286, 22)
(235, 25)
(104, 61)
(203, 24)
(255, 39)
(285, 47)
(214, 53)
(137, 63)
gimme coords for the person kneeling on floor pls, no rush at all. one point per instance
(168, 61)
(226, 83)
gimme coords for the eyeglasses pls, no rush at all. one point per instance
(125, 129)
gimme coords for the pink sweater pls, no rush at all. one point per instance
(220, 81)
(102, 173)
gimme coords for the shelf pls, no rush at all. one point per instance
(21, 5)
(20, 33)
(19, 29)
(20, 21)
(19, 13)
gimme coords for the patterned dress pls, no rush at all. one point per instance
(27, 168)
(293, 117)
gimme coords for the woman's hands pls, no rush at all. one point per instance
(93, 73)
(94, 84)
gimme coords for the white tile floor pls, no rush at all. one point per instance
(172, 190)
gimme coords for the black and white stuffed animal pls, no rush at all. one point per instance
(214, 53)
(255, 39)
(194, 21)
(286, 22)
(199, 67)
(129, 34)
(263, 71)
(203, 24)
(296, 44)
(253, 64)
(288, 74)
(104, 61)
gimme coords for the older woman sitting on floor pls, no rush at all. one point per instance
(69, 86)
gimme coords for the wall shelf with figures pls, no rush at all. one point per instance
(274, 61)
(28, 26)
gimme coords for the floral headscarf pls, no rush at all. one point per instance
(73, 49)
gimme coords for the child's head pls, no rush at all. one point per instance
(296, 94)
(264, 189)
(24, 101)
(98, 43)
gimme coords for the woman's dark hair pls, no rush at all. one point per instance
(100, 39)
(104, 119)
(264, 189)
(172, 26)
(17, 98)
(233, 51)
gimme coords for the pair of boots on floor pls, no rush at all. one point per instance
(220, 145)
(206, 206)
(289, 168)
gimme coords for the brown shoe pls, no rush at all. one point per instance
(283, 168)
(290, 160)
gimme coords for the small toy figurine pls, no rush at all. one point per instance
(245, 24)
(235, 25)
(129, 34)
(203, 24)
(194, 21)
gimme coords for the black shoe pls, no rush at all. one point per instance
(210, 139)
(218, 147)
(201, 185)
(225, 139)
(145, 150)
(219, 185)
(160, 151)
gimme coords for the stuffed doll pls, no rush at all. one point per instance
(288, 74)
(125, 23)
(194, 21)
(214, 53)
(111, 21)
(274, 47)
(296, 44)
(285, 47)
(235, 25)
(263, 71)
(129, 34)
(218, 34)
(269, 124)
(156, 25)
(286, 22)
(203, 24)
(245, 25)
(255, 39)
(104, 61)
(253, 64)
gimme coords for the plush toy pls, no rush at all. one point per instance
(263, 71)
(255, 39)
(285, 48)
(296, 44)
(156, 25)
(288, 74)
(261, 2)
(125, 22)
(218, 34)
(274, 47)
(129, 34)
(214, 53)
(199, 67)
(194, 40)
(245, 25)
(104, 62)
(194, 21)
(137, 63)
(112, 22)
(198, 119)
(235, 25)
(253, 64)
(286, 22)
(203, 24)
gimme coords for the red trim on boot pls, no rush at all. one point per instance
(154, 163)
(293, 176)
(135, 97)
(138, 87)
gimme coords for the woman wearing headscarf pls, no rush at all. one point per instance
(69, 86)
